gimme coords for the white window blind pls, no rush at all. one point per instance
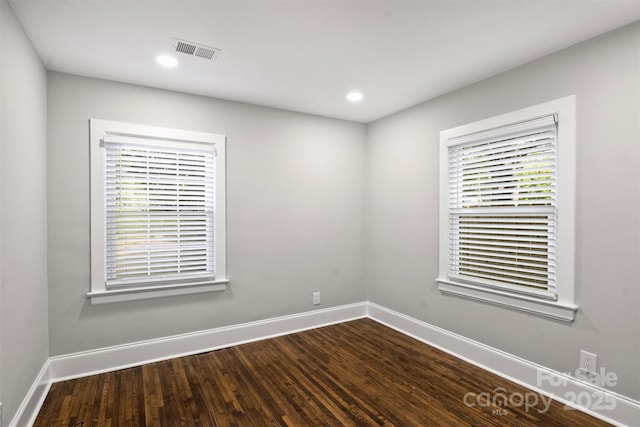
(502, 204)
(160, 207)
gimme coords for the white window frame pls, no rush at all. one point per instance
(564, 307)
(99, 292)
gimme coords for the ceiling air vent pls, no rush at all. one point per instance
(195, 49)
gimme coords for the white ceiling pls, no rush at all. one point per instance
(306, 55)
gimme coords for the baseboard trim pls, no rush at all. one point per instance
(518, 370)
(557, 385)
(30, 406)
(135, 354)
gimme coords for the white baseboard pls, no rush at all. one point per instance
(618, 410)
(135, 354)
(28, 409)
(518, 370)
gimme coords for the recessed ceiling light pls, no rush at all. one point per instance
(167, 61)
(354, 97)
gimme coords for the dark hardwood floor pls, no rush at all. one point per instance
(358, 373)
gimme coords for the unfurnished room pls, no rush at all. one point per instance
(319, 213)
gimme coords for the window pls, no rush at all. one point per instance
(157, 212)
(507, 210)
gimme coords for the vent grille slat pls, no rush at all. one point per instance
(195, 49)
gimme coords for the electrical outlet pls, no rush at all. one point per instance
(316, 298)
(588, 361)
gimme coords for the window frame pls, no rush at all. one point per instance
(99, 293)
(564, 307)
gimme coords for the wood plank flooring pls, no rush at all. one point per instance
(358, 373)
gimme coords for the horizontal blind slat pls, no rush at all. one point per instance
(532, 152)
(155, 251)
(523, 285)
(508, 132)
(500, 269)
(500, 258)
(505, 145)
(498, 250)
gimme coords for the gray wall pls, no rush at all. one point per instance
(295, 205)
(604, 74)
(24, 341)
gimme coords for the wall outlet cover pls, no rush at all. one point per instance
(588, 361)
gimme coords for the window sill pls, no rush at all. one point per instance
(148, 292)
(545, 308)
